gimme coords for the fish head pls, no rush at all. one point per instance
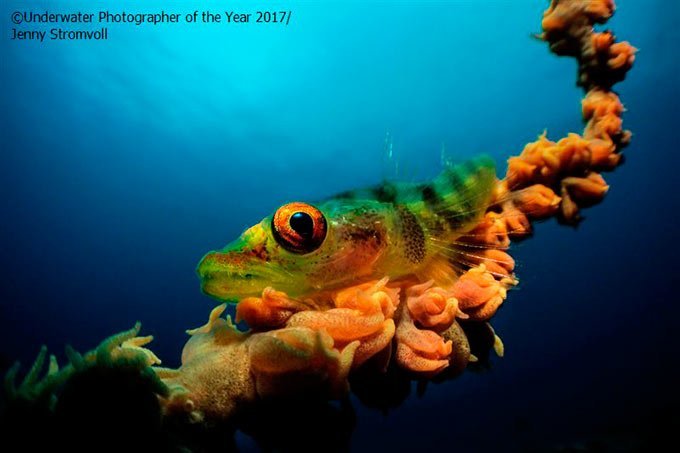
(299, 249)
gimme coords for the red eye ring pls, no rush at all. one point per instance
(299, 227)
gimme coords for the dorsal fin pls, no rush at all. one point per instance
(450, 206)
(461, 193)
(453, 187)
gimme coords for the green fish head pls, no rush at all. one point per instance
(298, 250)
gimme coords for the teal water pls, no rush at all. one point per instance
(124, 161)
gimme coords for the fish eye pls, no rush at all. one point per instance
(299, 227)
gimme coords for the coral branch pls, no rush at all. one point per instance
(569, 167)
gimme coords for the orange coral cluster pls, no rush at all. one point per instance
(361, 313)
(372, 314)
(553, 178)
(224, 369)
(570, 167)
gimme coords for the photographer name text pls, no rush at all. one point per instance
(31, 26)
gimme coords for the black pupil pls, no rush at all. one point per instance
(303, 224)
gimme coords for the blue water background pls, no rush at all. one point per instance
(123, 162)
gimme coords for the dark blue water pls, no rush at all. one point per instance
(123, 161)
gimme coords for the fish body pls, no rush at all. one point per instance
(397, 230)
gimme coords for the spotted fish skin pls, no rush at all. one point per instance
(394, 229)
(431, 213)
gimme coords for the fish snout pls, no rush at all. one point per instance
(231, 274)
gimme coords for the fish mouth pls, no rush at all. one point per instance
(233, 287)
(226, 276)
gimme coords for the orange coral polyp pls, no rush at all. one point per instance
(589, 189)
(412, 361)
(602, 41)
(369, 347)
(369, 297)
(477, 288)
(434, 308)
(492, 231)
(622, 55)
(271, 310)
(599, 10)
(343, 324)
(598, 103)
(420, 350)
(425, 343)
(497, 262)
(537, 201)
